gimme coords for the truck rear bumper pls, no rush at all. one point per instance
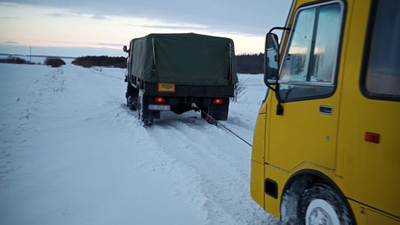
(218, 109)
(161, 103)
(195, 91)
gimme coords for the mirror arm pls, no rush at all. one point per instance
(279, 28)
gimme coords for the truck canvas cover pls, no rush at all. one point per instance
(184, 59)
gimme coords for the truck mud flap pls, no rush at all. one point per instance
(144, 107)
(219, 112)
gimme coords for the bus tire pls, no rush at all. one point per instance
(320, 204)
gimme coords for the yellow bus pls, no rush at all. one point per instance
(326, 147)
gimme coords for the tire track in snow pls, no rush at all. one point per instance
(223, 171)
(154, 159)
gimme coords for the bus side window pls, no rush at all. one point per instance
(383, 68)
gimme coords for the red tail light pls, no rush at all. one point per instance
(160, 100)
(372, 137)
(217, 101)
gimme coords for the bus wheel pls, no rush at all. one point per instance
(321, 205)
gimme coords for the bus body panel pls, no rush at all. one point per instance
(341, 145)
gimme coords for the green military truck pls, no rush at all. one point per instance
(178, 73)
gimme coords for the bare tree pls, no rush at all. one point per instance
(240, 89)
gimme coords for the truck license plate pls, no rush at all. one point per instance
(163, 87)
(159, 107)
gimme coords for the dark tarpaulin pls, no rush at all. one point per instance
(187, 59)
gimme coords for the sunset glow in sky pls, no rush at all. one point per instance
(105, 26)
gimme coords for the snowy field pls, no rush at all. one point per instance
(72, 153)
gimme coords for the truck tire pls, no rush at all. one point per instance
(131, 102)
(131, 97)
(320, 204)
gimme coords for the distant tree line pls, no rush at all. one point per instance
(49, 61)
(251, 64)
(245, 63)
(105, 61)
(15, 60)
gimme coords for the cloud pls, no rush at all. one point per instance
(109, 44)
(250, 16)
(58, 15)
(9, 43)
(8, 17)
(60, 51)
(173, 26)
(63, 42)
(97, 17)
(8, 4)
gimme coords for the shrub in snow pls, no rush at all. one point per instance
(240, 89)
(104, 61)
(54, 62)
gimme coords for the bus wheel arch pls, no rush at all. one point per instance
(295, 188)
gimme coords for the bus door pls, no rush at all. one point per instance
(306, 132)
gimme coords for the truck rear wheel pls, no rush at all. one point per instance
(131, 97)
(131, 103)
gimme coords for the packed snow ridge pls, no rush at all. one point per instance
(72, 153)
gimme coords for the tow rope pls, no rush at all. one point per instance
(219, 123)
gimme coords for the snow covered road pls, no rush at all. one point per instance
(72, 153)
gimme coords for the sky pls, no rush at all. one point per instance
(102, 27)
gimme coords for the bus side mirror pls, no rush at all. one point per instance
(125, 49)
(271, 59)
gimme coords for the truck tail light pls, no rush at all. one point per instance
(160, 100)
(217, 101)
